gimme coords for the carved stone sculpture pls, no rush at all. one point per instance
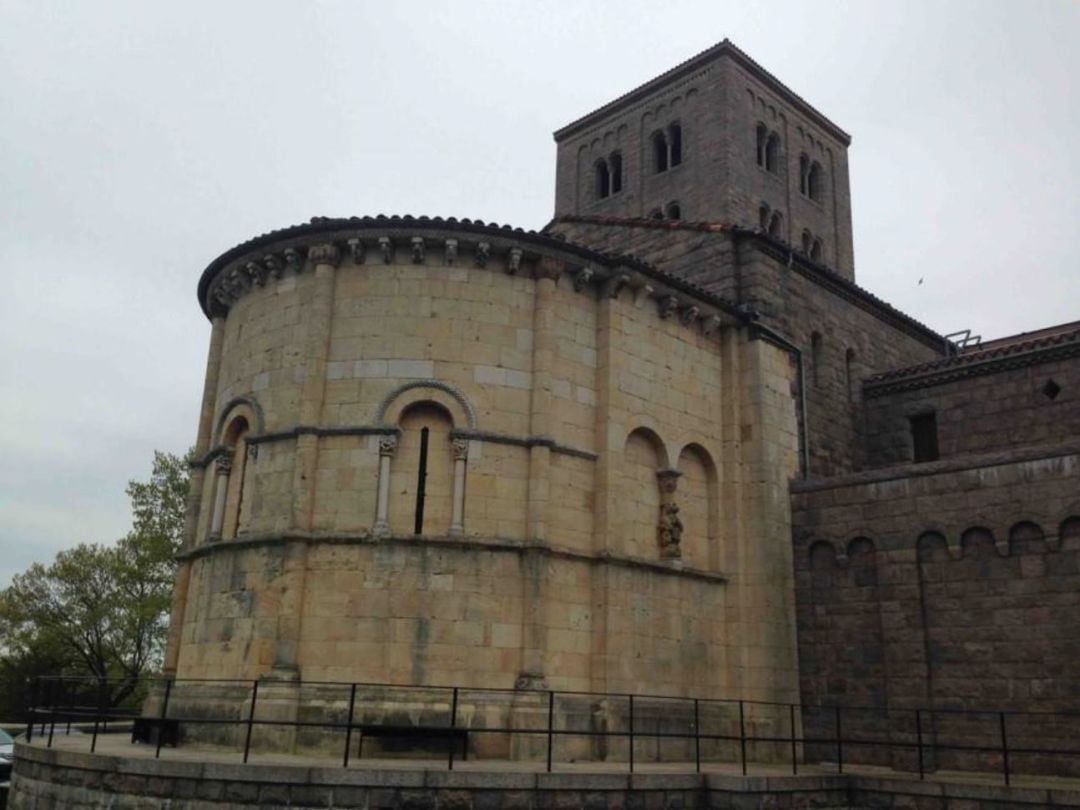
(387, 248)
(357, 249)
(418, 249)
(669, 531)
(483, 253)
(450, 252)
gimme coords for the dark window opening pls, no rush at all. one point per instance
(615, 166)
(816, 356)
(660, 152)
(675, 144)
(772, 153)
(849, 373)
(1051, 389)
(815, 250)
(776, 224)
(603, 179)
(807, 242)
(673, 211)
(804, 172)
(924, 438)
(814, 182)
(763, 217)
(762, 136)
(421, 482)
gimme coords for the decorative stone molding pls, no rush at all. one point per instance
(460, 449)
(689, 315)
(513, 260)
(450, 252)
(326, 253)
(388, 445)
(483, 253)
(582, 278)
(223, 465)
(669, 305)
(386, 245)
(357, 250)
(532, 681)
(615, 284)
(453, 391)
(711, 324)
(418, 249)
(273, 266)
(256, 273)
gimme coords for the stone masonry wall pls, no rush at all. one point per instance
(952, 586)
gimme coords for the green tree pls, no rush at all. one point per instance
(102, 611)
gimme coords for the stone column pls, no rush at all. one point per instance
(222, 469)
(460, 448)
(317, 347)
(387, 447)
(195, 491)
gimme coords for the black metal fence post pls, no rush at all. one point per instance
(34, 686)
(794, 748)
(251, 719)
(52, 711)
(918, 742)
(348, 727)
(97, 719)
(697, 737)
(631, 733)
(839, 742)
(551, 726)
(742, 737)
(1004, 748)
(453, 723)
(164, 712)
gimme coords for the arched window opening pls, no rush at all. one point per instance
(643, 458)
(815, 182)
(762, 137)
(772, 153)
(422, 472)
(656, 213)
(673, 211)
(603, 179)
(231, 469)
(804, 174)
(807, 242)
(698, 510)
(675, 144)
(816, 250)
(660, 152)
(817, 351)
(615, 167)
(776, 224)
(763, 217)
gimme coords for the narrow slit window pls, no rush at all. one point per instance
(762, 136)
(675, 144)
(660, 152)
(772, 153)
(615, 168)
(603, 180)
(421, 481)
(924, 437)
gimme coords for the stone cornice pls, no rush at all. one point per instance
(250, 541)
(450, 242)
(975, 364)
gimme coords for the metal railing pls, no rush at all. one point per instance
(615, 725)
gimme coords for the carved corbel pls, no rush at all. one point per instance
(689, 315)
(513, 261)
(711, 324)
(272, 263)
(256, 273)
(483, 253)
(223, 465)
(387, 445)
(460, 449)
(237, 282)
(450, 252)
(669, 305)
(644, 293)
(386, 245)
(582, 277)
(418, 249)
(615, 283)
(294, 260)
(357, 250)
(327, 253)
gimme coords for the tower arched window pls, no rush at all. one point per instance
(776, 224)
(763, 217)
(762, 137)
(807, 242)
(660, 152)
(816, 250)
(230, 468)
(615, 169)
(815, 181)
(675, 144)
(772, 153)
(804, 174)
(603, 179)
(673, 211)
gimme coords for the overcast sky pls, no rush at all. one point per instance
(138, 140)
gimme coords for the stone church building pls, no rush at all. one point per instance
(665, 445)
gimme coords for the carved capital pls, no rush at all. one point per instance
(483, 253)
(582, 277)
(689, 315)
(418, 249)
(387, 445)
(325, 254)
(386, 245)
(357, 250)
(668, 481)
(460, 449)
(513, 261)
(450, 252)
(223, 465)
(669, 305)
(294, 260)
